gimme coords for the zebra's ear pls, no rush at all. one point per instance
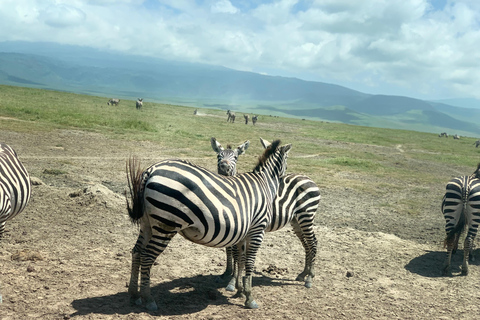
(243, 147)
(265, 143)
(286, 148)
(216, 146)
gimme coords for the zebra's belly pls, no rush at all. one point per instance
(197, 236)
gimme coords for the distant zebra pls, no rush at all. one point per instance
(477, 143)
(246, 117)
(230, 116)
(461, 210)
(113, 102)
(176, 196)
(443, 134)
(139, 103)
(195, 112)
(254, 119)
(296, 202)
(15, 186)
(456, 137)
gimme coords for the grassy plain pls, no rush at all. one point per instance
(319, 148)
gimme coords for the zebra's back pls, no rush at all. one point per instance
(15, 187)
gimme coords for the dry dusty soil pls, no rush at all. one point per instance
(67, 256)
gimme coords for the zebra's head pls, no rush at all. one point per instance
(227, 158)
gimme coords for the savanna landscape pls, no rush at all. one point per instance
(379, 225)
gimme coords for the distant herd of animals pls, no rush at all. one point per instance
(230, 210)
(457, 137)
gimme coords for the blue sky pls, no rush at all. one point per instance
(419, 48)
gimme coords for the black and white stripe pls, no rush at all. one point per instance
(227, 157)
(15, 186)
(176, 196)
(296, 202)
(461, 209)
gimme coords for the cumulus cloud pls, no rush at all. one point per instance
(415, 46)
(62, 16)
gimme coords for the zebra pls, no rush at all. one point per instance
(296, 202)
(254, 119)
(456, 137)
(246, 117)
(477, 143)
(139, 103)
(15, 186)
(443, 134)
(176, 196)
(230, 116)
(461, 209)
(113, 102)
(227, 158)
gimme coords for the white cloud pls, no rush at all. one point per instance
(62, 16)
(223, 6)
(368, 45)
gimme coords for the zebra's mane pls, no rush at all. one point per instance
(266, 154)
(229, 147)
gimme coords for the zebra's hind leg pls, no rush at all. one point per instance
(447, 269)
(466, 252)
(155, 246)
(309, 241)
(239, 266)
(133, 285)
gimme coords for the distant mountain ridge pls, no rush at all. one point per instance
(91, 71)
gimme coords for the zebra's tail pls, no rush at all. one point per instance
(136, 185)
(456, 231)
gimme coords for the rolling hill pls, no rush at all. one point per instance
(95, 72)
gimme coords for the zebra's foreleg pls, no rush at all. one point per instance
(229, 269)
(252, 245)
(239, 265)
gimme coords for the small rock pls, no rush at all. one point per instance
(349, 274)
(36, 181)
(30, 269)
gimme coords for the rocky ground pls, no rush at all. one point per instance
(67, 256)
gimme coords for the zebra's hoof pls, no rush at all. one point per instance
(251, 305)
(308, 284)
(138, 301)
(230, 288)
(151, 306)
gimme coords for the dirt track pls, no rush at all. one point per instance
(68, 255)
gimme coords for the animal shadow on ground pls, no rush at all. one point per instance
(176, 297)
(431, 263)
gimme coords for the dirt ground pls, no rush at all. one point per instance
(67, 256)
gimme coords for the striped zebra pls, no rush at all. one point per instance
(461, 209)
(15, 186)
(176, 196)
(296, 203)
(230, 116)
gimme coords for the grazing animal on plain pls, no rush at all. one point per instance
(195, 112)
(246, 117)
(113, 102)
(139, 103)
(176, 196)
(461, 210)
(456, 137)
(230, 116)
(477, 143)
(296, 202)
(443, 134)
(254, 119)
(15, 186)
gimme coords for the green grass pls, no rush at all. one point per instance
(319, 148)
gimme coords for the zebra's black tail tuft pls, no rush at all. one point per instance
(456, 231)
(136, 187)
